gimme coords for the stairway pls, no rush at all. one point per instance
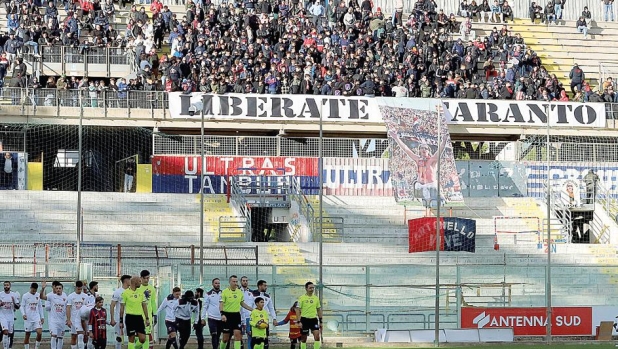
(560, 46)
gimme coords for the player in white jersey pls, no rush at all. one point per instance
(84, 312)
(75, 301)
(114, 309)
(9, 302)
(169, 305)
(32, 311)
(57, 318)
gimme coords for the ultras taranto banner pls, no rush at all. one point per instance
(308, 108)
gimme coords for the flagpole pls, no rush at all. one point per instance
(438, 242)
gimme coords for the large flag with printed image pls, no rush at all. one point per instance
(416, 149)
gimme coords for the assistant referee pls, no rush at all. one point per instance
(133, 304)
(310, 313)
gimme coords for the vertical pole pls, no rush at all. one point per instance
(459, 296)
(549, 244)
(79, 183)
(367, 299)
(202, 170)
(321, 199)
(119, 260)
(438, 242)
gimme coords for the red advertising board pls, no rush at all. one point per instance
(566, 321)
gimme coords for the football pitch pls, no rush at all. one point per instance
(568, 345)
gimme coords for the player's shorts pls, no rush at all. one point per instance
(233, 322)
(84, 312)
(309, 325)
(257, 340)
(215, 326)
(7, 324)
(171, 326)
(57, 328)
(76, 325)
(32, 326)
(134, 324)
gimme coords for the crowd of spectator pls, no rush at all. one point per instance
(341, 47)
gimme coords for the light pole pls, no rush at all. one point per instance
(202, 170)
(320, 203)
(79, 183)
(549, 244)
(438, 239)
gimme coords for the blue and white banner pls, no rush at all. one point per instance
(459, 234)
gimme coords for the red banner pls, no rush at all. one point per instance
(566, 321)
(422, 234)
(235, 165)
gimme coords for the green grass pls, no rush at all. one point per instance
(569, 345)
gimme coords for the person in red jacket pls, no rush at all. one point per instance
(97, 324)
(295, 326)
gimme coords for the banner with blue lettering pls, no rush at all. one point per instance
(456, 234)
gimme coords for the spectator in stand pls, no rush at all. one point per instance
(484, 11)
(558, 7)
(587, 15)
(577, 77)
(536, 12)
(609, 82)
(582, 26)
(550, 13)
(507, 12)
(463, 9)
(496, 12)
(608, 9)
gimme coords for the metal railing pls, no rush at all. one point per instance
(90, 100)
(240, 203)
(57, 259)
(234, 229)
(332, 228)
(306, 210)
(80, 60)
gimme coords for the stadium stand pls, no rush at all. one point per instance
(343, 51)
(559, 48)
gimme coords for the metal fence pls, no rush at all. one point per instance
(359, 298)
(82, 60)
(526, 149)
(86, 98)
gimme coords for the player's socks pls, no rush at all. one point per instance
(60, 343)
(237, 344)
(53, 343)
(118, 345)
(131, 345)
(26, 346)
(6, 341)
(227, 345)
(146, 343)
(80, 341)
(90, 346)
(303, 345)
(317, 345)
(37, 345)
(73, 346)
